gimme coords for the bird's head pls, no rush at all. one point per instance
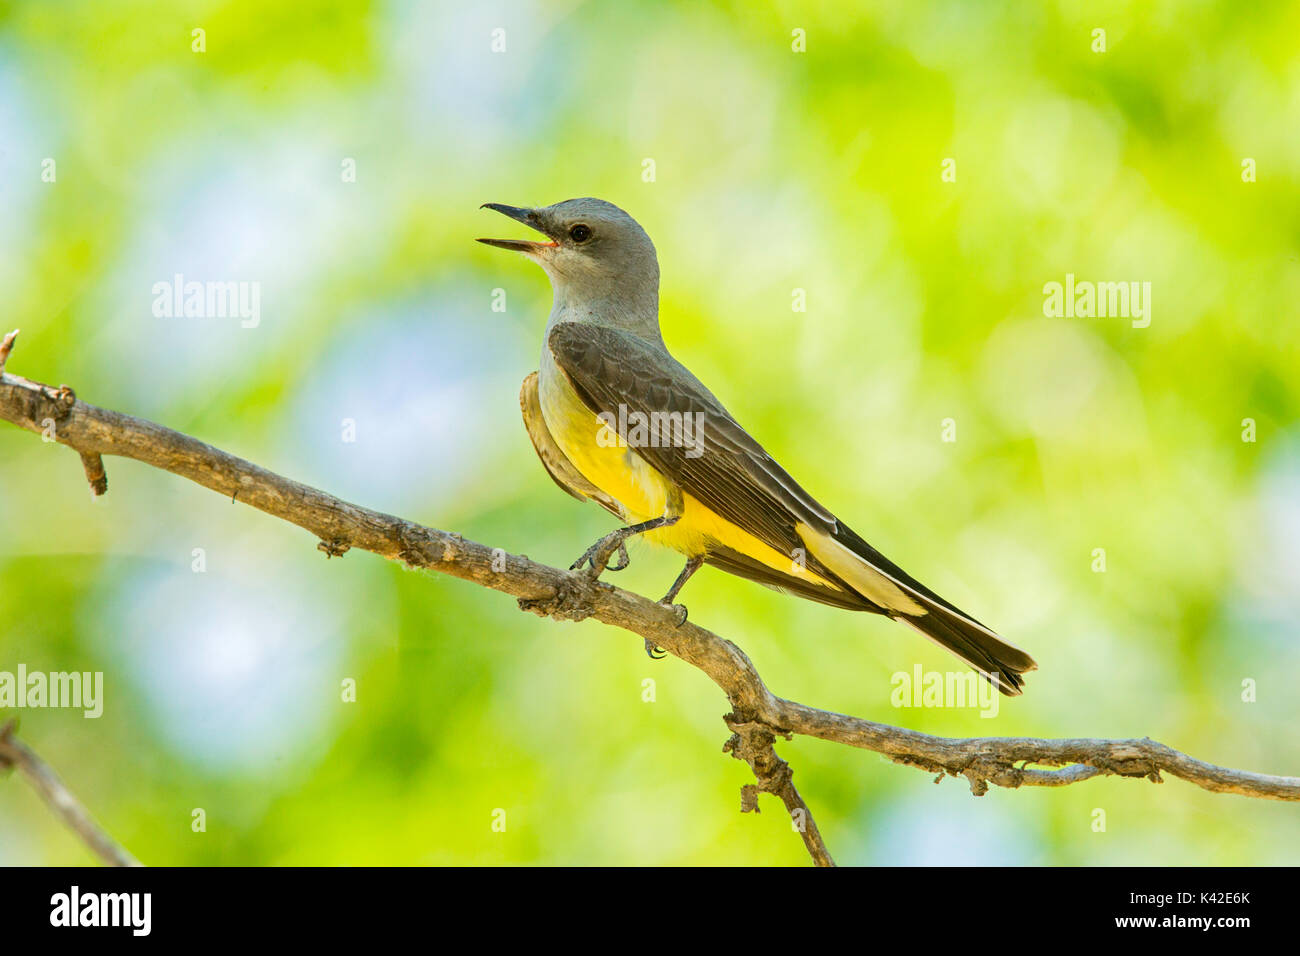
(596, 255)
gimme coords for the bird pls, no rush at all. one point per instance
(616, 419)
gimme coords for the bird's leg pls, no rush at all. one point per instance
(598, 554)
(692, 565)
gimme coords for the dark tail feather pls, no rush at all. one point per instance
(1000, 663)
(944, 623)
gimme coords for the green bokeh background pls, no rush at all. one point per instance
(774, 171)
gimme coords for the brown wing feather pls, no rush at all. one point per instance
(743, 566)
(735, 476)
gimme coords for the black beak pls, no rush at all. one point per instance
(529, 218)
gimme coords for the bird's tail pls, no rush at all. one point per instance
(890, 590)
(1000, 663)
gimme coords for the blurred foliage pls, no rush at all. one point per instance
(774, 170)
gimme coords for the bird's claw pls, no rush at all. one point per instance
(598, 555)
(681, 610)
(654, 651)
(623, 559)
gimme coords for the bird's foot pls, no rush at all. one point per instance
(680, 609)
(598, 555)
(692, 566)
(654, 650)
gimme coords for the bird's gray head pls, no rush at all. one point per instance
(601, 263)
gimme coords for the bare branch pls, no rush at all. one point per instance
(95, 474)
(15, 753)
(551, 592)
(752, 742)
(6, 346)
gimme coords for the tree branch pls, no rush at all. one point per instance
(758, 715)
(15, 753)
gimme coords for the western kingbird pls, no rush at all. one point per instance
(617, 420)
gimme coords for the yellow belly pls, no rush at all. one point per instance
(643, 492)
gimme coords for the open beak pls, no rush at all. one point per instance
(529, 218)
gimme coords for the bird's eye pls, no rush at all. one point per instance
(580, 233)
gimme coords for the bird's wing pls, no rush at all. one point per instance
(564, 474)
(726, 470)
(554, 460)
(729, 472)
